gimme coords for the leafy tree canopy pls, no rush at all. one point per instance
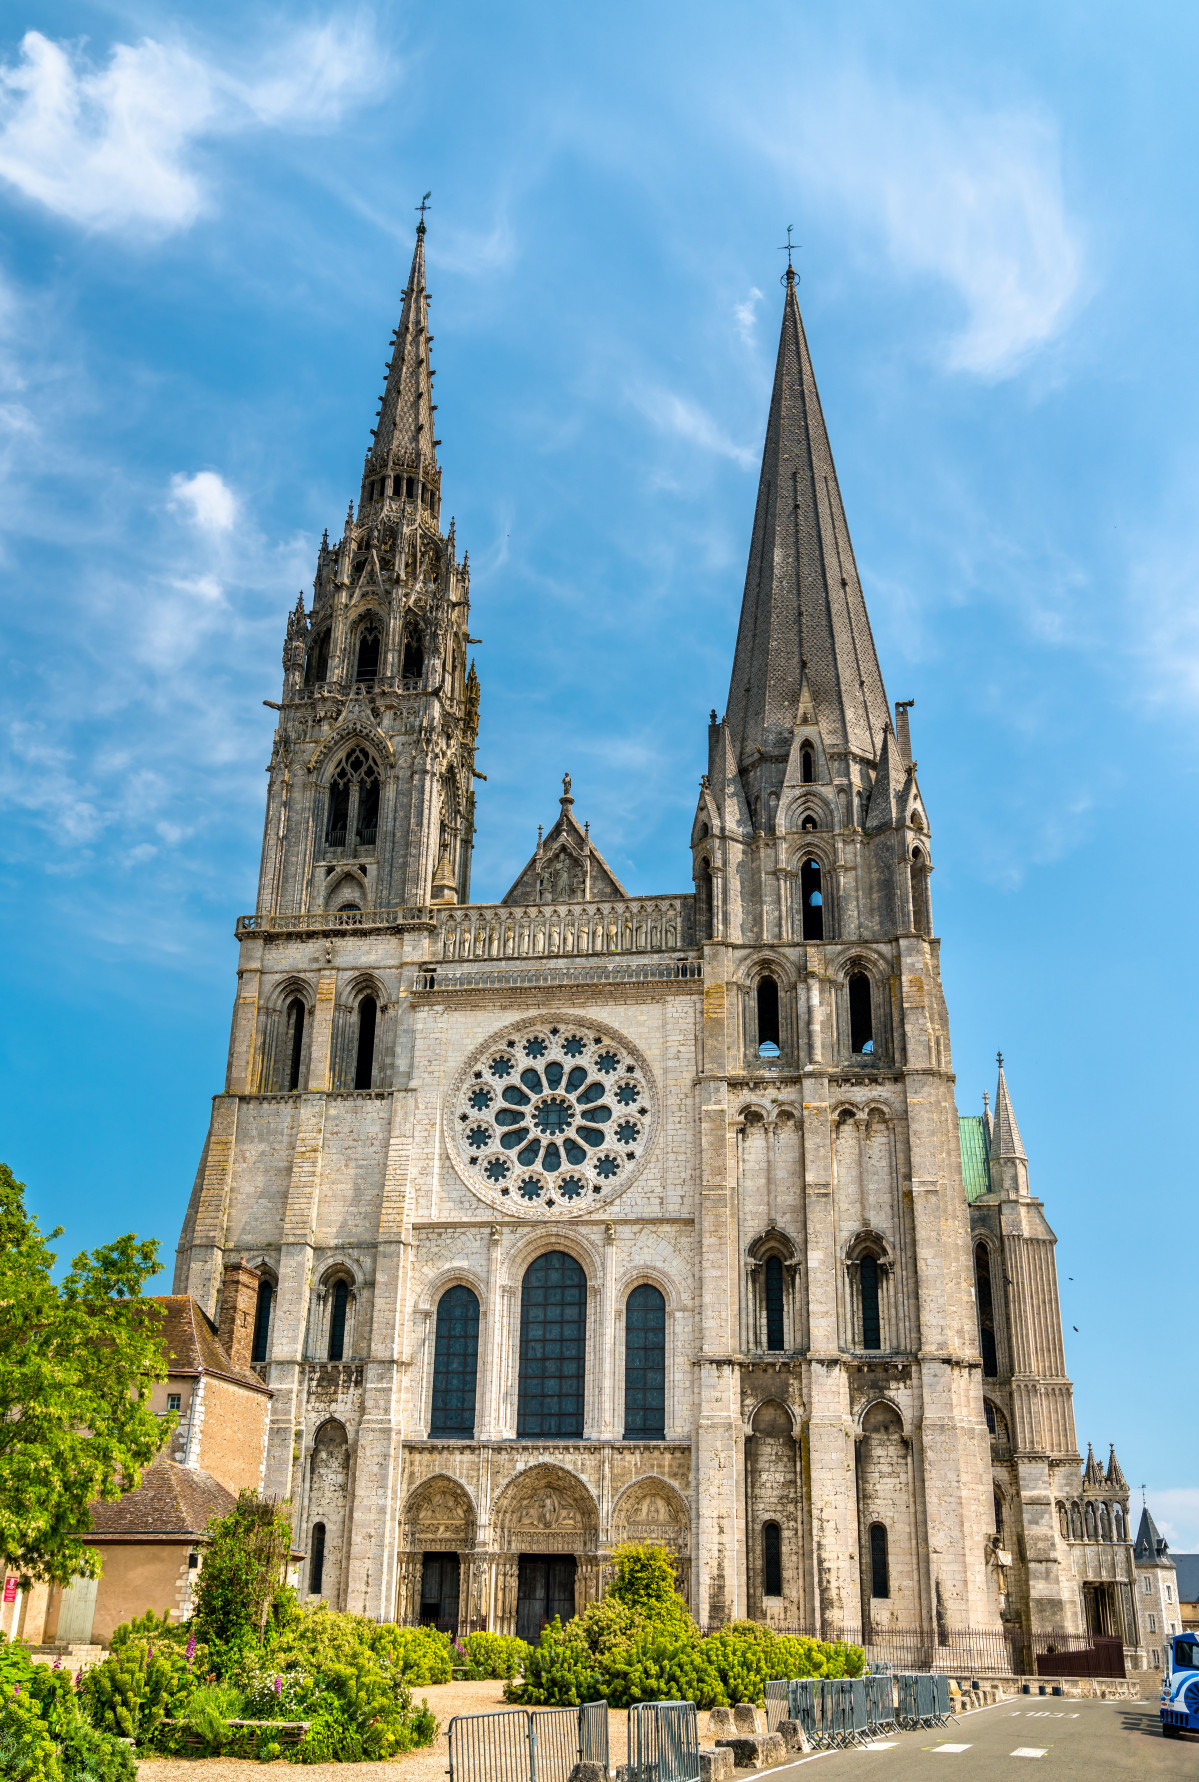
(77, 1362)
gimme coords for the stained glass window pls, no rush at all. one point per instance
(455, 1362)
(774, 1302)
(871, 1324)
(553, 1345)
(645, 1366)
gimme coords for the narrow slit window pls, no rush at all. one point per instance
(768, 1018)
(772, 1560)
(773, 1285)
(339, 813)
(368, 657)
(337, 1321)
(364, 1067)
(880, 1576)
(316, 1564)
(295, 1022)
(998, 1515)
(986, 1312)
(368, 813)
(871, 1322)
(262, 1320)
(920, 915)
(807, 765)
(703, 887)
(811, 896)
(861, 1014)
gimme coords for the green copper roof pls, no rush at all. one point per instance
(976, 1170)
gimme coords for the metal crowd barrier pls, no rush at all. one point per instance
(923, 1700)
(529, 1744)
(663, 1742)
(880, 1699)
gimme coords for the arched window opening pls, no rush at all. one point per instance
(809, 822)
(368, 810)
(772, 1560)
(880, 1576)
(998, 1515)
(768, 1018)
(703, 894)
(364, 1067)
(295, 1028)
(872, 1334)
(773, 1293)
(412, 656)
(553, 1345)
(989, 1411)
(920, 916)
(811, 898)
(368, 656)
(861, 1013)
(807, 765)
(645, 1366)
(351, 909)
(986, 1312)
(339, 811)
(316, 1563)
(455, 1364)
(337, 1321)
(262, 1320)
(316, 667)
(704, 832)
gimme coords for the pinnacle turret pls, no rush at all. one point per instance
(401, 465)
(1009, 1162)
(803, 603)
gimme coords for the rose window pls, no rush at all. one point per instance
(549, 1119)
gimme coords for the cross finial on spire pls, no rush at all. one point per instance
(789, 248)
(986, 1099)
(999, 1059)
(423, 206)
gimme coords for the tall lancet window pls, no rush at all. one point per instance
(986, 1312)
(316, 668)
(861, 1014)
(872, 1334)
(368, 656)
(811, 897)
(364, 1063)
(353, 802)
(412, 654)
(807, 765)
(920, 911)
(703, 899)
(295, 1037)
(768, 1018)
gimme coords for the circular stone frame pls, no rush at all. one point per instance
(580, 1130)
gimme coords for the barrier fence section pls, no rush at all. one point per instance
(960, 1652)
(663, 1742)
(528, 1744)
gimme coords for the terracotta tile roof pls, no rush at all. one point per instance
(192, 1342)
(171, 1501)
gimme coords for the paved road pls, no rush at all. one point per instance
(1079, 1741)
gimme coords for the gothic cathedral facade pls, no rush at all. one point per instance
(583, 1216)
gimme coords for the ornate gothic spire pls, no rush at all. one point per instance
(803, 599)
(404, 432)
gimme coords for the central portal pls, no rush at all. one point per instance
(545, 1588)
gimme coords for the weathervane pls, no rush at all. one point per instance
(789, 249)
(423, 206)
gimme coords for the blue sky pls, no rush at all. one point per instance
(206, 219)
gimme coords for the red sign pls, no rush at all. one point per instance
(10, 1588)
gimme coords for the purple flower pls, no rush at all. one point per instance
(79, 1676)
(191, 1649)
(278, 1687)
(16, 1689)
(58, 1662)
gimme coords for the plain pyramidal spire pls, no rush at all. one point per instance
(404, 432)
(1009, 1161)
(803, 602)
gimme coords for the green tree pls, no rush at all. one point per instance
(77, 1362)
(244, 1569)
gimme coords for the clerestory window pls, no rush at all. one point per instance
(872, 1331)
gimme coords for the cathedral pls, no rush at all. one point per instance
(581, 1216)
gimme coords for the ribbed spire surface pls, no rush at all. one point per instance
(405, 432)
(803, 599)
(1007, 1141)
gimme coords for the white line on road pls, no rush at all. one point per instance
(1029, 1751)
(951, 1747)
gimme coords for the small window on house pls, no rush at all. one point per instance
(368, 656)
(880, 1577)
(262, 1320)
(364, 1068)
(174, 1401)
(772, 1560)
(871, 1323)
(861, 1014)
(295, 1027)
(316, 1563)
(337, 1321)
(773, 1292)
(193, 1560)
(1147, 1586)
(986, 1312)
(807, 766)
(412, 657)
(811, 897)
(768, 1018)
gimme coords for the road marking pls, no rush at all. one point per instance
(881, 1745)
(951, 1747)
(1029, 1751)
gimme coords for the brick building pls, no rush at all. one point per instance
(582, 1216)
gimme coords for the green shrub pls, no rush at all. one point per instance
(561, 1669)
(420, 1655)
(242, 1575)
(209, 1709)
(493, 1655)
(131, 1691)
(27, 1751)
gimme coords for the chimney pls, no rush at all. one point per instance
(239, 1303)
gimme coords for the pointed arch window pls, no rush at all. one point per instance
(337, 1320)
(986, 1312)
(861, 1014)
(316, 666)
(364, 1063)
(553, 1349)
(811, 897)
(295, 1041)
(880, 1571)
(768, 1017)
(368, 656)
(455, 1364)
(645, 1365)
(872, 1337)
(353, 801)
(920, 910)
(772, 1559)
(262, 1321)
(772, 1293)
(807, 765)
(412, 654)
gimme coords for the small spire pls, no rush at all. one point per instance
(1009, 1161)
(404, 433)
(325, 540)
(1115, 1477)
(349, 520)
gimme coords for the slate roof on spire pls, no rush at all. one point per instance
(802, 595)
(1150, 1548)
(405, 423)
(1006, 1141)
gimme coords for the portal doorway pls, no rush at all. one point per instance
(545, 1588)
(439, 1592)
(1101, 1611)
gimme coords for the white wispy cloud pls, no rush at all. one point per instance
(207, 497)
(1175, 1509)
(687, 420)
(116, 146)
(970, 196)
(745, 314)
